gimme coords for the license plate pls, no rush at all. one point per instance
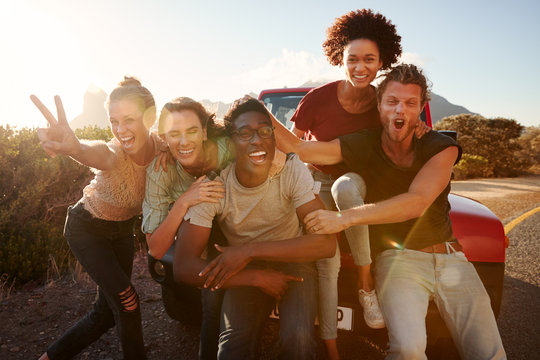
(344, 316)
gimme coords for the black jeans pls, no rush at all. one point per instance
(211, 303)
(105, 250)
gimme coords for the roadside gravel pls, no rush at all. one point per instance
(507, 197)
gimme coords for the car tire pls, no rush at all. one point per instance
(184, 307)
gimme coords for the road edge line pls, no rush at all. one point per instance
(508, 227)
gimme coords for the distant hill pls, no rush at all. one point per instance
(219, 107)
(441, 108)
(94, 112)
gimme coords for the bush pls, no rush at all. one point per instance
(35, 191)
(495, 140)
(472, 166)
(25, 254)
(530, 148)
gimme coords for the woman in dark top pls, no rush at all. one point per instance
(363, 42)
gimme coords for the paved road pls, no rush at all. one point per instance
(519, 319)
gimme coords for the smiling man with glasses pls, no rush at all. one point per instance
(270, 257)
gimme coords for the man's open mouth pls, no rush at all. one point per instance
(399, 123)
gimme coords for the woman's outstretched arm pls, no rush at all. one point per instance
(59, 138)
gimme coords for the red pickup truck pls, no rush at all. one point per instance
(478, 230)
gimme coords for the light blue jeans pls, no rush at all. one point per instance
(347, 191)
(406, 280)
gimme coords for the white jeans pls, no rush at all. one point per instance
(407, 279)
(347, 191)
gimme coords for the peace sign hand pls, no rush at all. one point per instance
(57, 138)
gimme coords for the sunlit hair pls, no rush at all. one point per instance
(406, 74)
(239, 107)
(131, 89)
(362, 24)
(208, 121)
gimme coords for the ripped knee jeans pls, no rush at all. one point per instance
(105, 250)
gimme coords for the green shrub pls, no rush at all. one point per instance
(26, 254)
(529, 154)
(35, 191)
(472, 166)
(496, 140)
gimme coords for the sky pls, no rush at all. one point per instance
(482, 55)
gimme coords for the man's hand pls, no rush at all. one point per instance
(231, 260)
(324, 222)
(274, 283)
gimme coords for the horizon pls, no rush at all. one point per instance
(219, 51)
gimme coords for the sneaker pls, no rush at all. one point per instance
(372, 312)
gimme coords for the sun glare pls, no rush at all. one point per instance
(46, 61)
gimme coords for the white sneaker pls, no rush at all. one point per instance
(372, 312)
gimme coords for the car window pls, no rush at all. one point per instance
(283, 105)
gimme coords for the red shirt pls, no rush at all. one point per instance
(322, 118)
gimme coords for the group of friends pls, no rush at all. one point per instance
(357, 155)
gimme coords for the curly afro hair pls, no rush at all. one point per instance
(362, 24)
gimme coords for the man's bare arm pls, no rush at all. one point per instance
(426, 186)
(314, 152)
(191, 242)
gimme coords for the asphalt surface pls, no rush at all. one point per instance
(519, 320)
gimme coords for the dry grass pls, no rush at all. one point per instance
(5, 286)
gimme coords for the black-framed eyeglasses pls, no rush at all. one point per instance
(246, 133)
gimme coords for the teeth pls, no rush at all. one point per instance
(185, 152)
(360, 76)
(126, 138)
(258, 153)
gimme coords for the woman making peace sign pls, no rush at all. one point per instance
(99, 228)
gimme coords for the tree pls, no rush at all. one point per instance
(494, 140)
(530, 145)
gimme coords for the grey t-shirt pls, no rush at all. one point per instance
(263, 213)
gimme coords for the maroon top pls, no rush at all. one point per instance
(322, 118)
